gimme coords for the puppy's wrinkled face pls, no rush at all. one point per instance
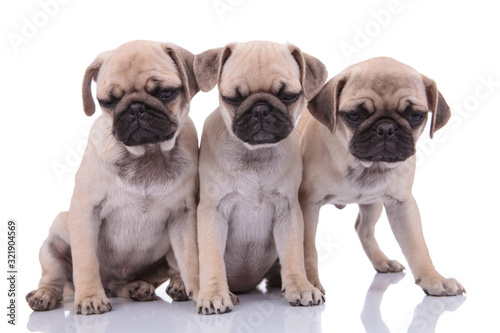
(140, 88)
(382, 116)
(378, 109)
(261, 93)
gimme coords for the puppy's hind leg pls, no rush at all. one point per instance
(273, 276)
(138, 291)
(365, 228)
(176, 288)
(55, 259)
(143, 289)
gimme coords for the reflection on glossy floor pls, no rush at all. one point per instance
(357, 298)
(259, 311)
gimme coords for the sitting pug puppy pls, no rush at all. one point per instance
(133, 207)
(250, 171)
(362, 151)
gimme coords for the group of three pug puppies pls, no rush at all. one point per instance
(134, 220)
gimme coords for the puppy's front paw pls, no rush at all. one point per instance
(303, 294)
(440, 286)
(42, 299)
(92, 304)
(176, 290)
(388, 266)
(317, 284)
(216, 303)
(140, 291)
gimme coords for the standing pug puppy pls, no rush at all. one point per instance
(363, 152)
(250, 171)
(133, 206)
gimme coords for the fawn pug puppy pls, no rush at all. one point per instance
(131, 224)
(250, 169)
(362, 151)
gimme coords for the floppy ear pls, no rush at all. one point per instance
(325, 105)
(91, 73)
(208, 66)
(313, 72)
(184, 61)
(437, 105)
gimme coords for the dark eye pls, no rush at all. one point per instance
(232, 100)
(167, 94)
(290, 98)
(353, 116)
(415, 118)
(108, 104)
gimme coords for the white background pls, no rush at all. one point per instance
(456, 186)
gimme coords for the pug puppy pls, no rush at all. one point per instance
(250, 171)
(131, 224)
(362, 151)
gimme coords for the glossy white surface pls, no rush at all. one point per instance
(388, 305)
(358, 299)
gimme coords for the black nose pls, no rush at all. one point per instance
(261, 110)
(136, 110)
(385, 129)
